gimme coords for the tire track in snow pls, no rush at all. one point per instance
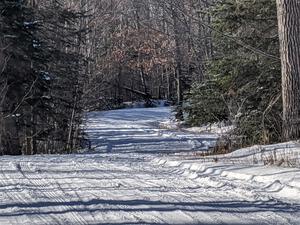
(121, 188)
(19, 196)
(244, 190)
(57, 195)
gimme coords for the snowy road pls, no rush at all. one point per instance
(120, 184)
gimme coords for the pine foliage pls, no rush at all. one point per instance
(40, 81)
(246, 86)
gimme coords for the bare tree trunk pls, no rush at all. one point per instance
(71, 126)
(178, 59)
(289, 35)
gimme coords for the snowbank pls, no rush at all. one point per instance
(217, 128)
(283, 154)
(262, 164)
(279, 182)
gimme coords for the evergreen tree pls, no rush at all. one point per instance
(246, 82)
(42, 80)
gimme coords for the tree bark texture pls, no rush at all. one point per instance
(289, 35)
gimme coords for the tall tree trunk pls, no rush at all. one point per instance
(289, 35)
(179, 59)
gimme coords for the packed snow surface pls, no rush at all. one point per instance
(131, 178)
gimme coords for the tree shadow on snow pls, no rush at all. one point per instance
(98, 205)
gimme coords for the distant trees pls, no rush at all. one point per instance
(147, 50)
(289, 35)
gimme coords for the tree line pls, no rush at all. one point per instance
(41, 76)
(228, 60)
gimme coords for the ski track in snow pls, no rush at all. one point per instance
(119, 183)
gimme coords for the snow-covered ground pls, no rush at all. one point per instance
(137, 130)
(129, 179)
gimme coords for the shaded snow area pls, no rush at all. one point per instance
(132, 176)
(137, 131)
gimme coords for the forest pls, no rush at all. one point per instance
(230, 61)
(149, 112)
